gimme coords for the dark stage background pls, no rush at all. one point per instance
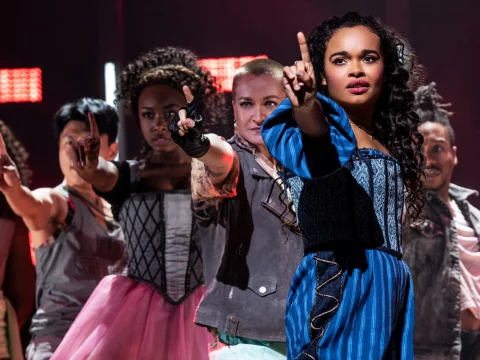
(71, 40)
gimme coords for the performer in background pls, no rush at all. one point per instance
(17, 274)
(250, 239)
(443, 253)
(76, 240)
(149, 313)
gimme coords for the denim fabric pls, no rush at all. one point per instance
(431, 251)
(326, 300)
(470, 345)
(42, 348)
(249, 258)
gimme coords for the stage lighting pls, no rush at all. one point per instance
(224, 68)
(110, 83)
(110, 86)
(20, 85)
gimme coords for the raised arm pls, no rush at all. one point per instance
(37, 207)
(89, 165)
(297, 132)
(301, 88)
(217, 154)
(219, 159)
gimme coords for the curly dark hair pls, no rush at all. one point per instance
(175, 67)
(395, 123)
(18, 153)
(19, 156)
(429, 108)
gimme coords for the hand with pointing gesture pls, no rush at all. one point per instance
(301, 89)
(186, 128)
(85, 152)
(9, 176)
(299, 79)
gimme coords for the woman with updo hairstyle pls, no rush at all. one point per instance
(347, 137)
(149, 312)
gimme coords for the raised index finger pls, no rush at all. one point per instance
(188, 94)
(302, 42)
(93, 126)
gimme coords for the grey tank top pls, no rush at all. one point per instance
(69, 269)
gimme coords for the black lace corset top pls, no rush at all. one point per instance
(162, 247)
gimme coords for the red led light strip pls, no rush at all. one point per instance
(224, 68)
(20, 85)
(25, 85)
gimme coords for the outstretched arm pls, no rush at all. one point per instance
(301, 88)
(297, 133)
(88, 163)
(219, 159)
(217, 154)
(37, 207)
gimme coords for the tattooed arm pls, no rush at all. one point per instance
(218, 160)
(186, 129)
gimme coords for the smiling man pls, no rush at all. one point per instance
(444, 253)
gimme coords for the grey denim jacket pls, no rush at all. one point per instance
(249, 258)
(431, 251)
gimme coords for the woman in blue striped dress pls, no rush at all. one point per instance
(347, 138)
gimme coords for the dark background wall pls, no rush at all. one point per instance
(71, 40)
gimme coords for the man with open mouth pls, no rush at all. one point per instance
(443, 252)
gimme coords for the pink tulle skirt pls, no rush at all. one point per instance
(125, 319)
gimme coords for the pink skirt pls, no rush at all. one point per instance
(125, 319)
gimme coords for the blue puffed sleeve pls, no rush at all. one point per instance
(288, 145)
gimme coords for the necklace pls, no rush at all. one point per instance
(368, 132)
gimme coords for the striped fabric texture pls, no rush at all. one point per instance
(285, 140)
(346, 302)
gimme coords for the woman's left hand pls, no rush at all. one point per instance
(186, 128)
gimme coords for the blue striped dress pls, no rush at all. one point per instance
(351, 296)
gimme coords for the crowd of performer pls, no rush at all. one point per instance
(326, 227)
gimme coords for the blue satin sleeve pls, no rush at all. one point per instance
(306, 157)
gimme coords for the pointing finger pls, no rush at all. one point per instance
(188, 94)
(302, 43)
(93, 126)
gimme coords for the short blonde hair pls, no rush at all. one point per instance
(258, 67)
